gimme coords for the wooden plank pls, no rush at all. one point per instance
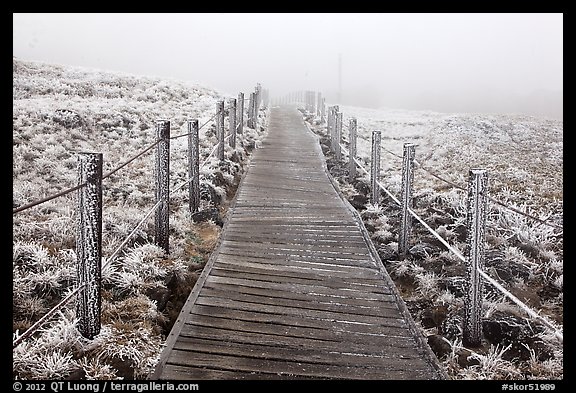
(336, 284)
(305, 271)
(347, 250)
(379, 294)
(397, 360)
(311, 297)
(285, 320)
(329, 336)
(328, 265)
(378, 308)
(387, 320)
(286, 367)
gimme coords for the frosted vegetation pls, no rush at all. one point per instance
(58, 112)
(524, 159)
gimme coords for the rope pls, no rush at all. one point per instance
(32, 329)
(71, 189)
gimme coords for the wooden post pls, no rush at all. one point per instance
(329, 126)
(163, 184)
(375, 167)
(220, 129)
(89, 244)
(318, 104)
(352, 150)
(240, 113)
(476, 223)
(193, 166)
(232, 121)
(332, 121)
(338, 136)
(407, 179)
(251, 111)
(258, 99)
(323, 111)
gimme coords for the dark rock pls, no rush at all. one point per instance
(358, 201)
(76, 375)
(67, 118)
(509, 330)
(386, 252)
(530, 249)
(465, 359)
(422, 250)
(439, 345)
(160, 295)
(451, 327)
(434, 316)
(209, 193)
(362, 187)
(549, 292)
(370, 228)
(236, 157)
(456, 285)
(207, 215)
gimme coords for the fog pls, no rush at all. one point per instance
(453, 62)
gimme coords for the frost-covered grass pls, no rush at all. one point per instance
(59, 111)
(524, 159)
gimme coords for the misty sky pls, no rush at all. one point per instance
(453, 62)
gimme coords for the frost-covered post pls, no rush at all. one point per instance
(232, 121)
(406, 197)
(323, 111)
(251, 110)
(352, 150)
(220, 128)
(375, 167)
(329, 125)
(89, 243)
(162, 225)
(318, 103)
(193, 166)
(476, 222)
(257, 101)
(338, 136)
(240, 113)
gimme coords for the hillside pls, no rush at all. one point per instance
(59, 111)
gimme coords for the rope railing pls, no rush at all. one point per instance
(161, 139)
(492, 199)
(531, 312)
(72, 189)
(32, 329)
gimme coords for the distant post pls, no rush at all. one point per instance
(375, 167)
(407, 179)
(338, 136)
(193, 166)
(352, 150)
(162, 184)
(476, 223)
(232, 121)
(240, 113)
(220, 129)
(89, 243)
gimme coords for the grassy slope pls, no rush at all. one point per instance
(57, 112)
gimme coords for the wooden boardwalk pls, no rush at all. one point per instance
(294, 290)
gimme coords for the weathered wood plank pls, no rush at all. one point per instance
(328, 289)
